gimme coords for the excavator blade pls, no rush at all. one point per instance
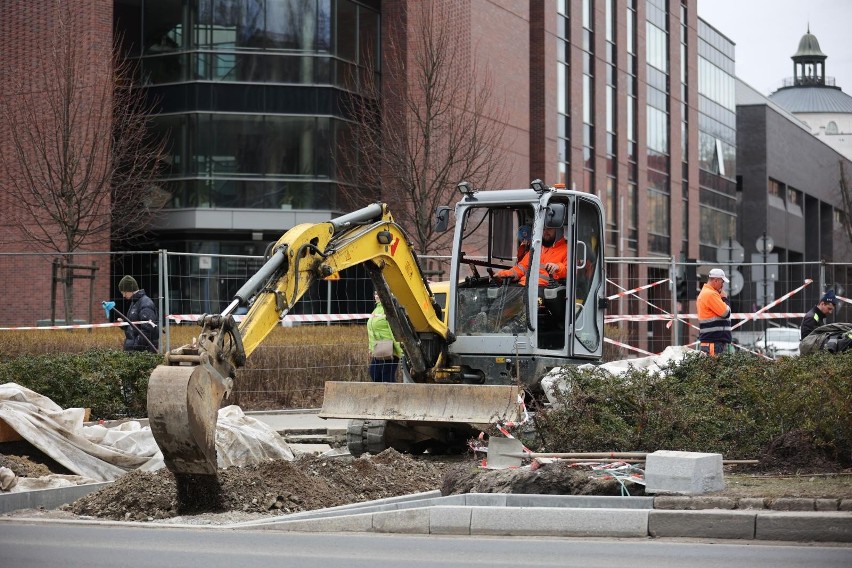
(183, 406)
(472, 404)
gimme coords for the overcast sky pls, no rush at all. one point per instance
(767, 34)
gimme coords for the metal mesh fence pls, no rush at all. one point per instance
(651, 300)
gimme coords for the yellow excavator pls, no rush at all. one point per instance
(472, 350)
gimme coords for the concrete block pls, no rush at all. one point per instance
(539, 521)
(702, 524)
(801, 526)
(683, 473)
(407, 521)
(845, 505)
(449, 520)
(792, 504)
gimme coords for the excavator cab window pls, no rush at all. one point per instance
(488, 245)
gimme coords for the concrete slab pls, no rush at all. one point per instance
(804, 526)
(344, 523)
(683, 473)
(702, 524)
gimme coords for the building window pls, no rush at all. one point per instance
(794, 201)
(775, 193)
(831, 127)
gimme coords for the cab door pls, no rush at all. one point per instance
(586, 252)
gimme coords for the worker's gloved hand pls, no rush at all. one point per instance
(108, 306)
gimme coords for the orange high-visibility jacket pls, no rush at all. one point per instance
(558, 254)
(714, 316)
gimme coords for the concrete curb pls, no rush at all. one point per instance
(510, 514)
(47, 498)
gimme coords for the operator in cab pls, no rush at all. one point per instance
(554, 260)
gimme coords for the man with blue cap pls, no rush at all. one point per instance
(818, 315)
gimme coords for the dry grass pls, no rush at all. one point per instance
(288, 371)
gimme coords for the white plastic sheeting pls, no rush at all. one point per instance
(99, 453)
(654, 364)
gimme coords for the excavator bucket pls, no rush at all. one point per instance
(471, 404)
(183, 406)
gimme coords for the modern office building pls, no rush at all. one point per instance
(632, 100)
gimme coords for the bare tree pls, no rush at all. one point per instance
(431, 123)
(79, 165)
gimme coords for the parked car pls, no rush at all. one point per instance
(779, 342)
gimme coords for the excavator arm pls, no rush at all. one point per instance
(185, 392)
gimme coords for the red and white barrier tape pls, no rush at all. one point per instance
(634, 290)
(288, 318)
(77, 326)
(614, 342)
(736, 316)
(771, 305)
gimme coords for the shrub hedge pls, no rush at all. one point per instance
(734, 404)
(112, 383)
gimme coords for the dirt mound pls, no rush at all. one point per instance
(556, 478)
(798, 452)
(274, 487)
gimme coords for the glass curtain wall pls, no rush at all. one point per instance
(250, 94)
(658, 181)
(717, 137)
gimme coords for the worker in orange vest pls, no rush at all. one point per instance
(553, 262)
(714, 315)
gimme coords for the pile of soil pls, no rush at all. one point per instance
(275, 487)
(554, 478)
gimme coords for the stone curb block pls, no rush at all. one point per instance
(47, 498)
(792, 504)
(845, 505)
(406, 521)
(449, 520)
(827, 504)
(811, 526)
(536, 521)
(703, 524)
(676, 502)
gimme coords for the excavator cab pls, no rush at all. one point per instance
(512, 330)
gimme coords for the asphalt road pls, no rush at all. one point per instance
(75, 545)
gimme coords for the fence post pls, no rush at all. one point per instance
(673, 289)
(164, 286)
